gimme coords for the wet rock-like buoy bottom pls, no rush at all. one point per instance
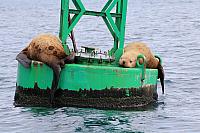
(114, 98)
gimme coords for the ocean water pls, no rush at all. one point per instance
(170, 27)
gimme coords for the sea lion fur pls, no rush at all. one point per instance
(45, 48)
(131, 52)
(48, 49)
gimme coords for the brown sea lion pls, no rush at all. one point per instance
(131, 52)
(48, 49)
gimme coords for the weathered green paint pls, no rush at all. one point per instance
(117, 28)
(39, 73)
(64, 21)
(117, 22)
(76, 76)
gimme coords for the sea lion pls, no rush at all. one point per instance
(131, 52)
(48, 49)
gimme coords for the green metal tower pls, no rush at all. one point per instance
(116, 27)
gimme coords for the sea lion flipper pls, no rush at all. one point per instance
(56, 75)
(70, 58)
(161, 76)
(23, 59)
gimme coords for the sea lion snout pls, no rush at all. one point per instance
(127, 62)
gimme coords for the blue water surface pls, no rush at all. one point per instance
(170, 27)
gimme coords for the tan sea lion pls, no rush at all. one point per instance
(131, 52)
(48, 49)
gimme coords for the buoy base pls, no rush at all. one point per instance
(114, 98)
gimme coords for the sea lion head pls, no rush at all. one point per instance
(128, 60)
